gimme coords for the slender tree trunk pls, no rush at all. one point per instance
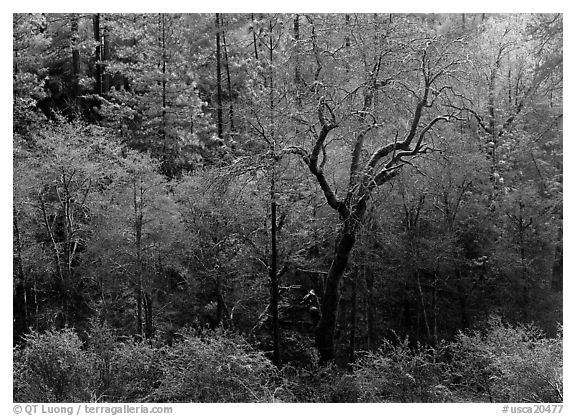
(370, 312)
(347, 39)
(97, 54)
(106, 77)
(219, 122)
(229, 83)
(66, 202)
(492, 110)
(148, 320)
(405, 320)
(435, 310)
(139, 329)
(423, 304)
(522, 227)
(274, 272)
(138, 220)
(104, 309)
(20, 307)
(353, 303)
(56, 257)
(273, 220)
(296, 34)
(297, 63)
(75, 56)
(255, 43)
(163, 21)
(35, 304)
(164, 121)
(557, 267)
(347, 28)
(219, 300)
(163, 77)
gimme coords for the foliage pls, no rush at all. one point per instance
(158, 107)
(501, 363)
(315, 384)
(217, 368)
(135, 370)
(399, 373)
(507, 364)
(414, 163)
(53, 367)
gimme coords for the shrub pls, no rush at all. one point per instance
(135, 370)
(397, 373)
(218, 368)
(101, 342)
(53, 367)
(500, 364)
(314, 384)
(507, 364)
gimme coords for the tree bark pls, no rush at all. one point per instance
(353, 303)
(163, 26)
(219, 300)
(274, 272)
(229, 83)
(274, 294)
(75, 56)
(329, 306)
(347, 29)
(435, 310)
(139, 329)
(148, 321)
(20, 306)
(296, 33)
(557, 267)
(97, 54)
(297, 61)
(106, 76)
(363, 180)
(254, 38)
(423, 304)
(219, 122)
(138, 221)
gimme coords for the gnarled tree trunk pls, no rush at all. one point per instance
(329, 306)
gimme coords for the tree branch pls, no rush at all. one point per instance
(312, 159)
(418, 147)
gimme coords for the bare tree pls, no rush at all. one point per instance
(366, 174)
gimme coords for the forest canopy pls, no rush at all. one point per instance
(340, 207)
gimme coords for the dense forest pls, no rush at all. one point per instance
(287, 207)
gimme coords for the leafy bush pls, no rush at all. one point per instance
(397, 373)
(500, 364)
(218, 368)
(52, 367)
(135, 369)
(507, 364)
(101, 342)
(314, 384)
